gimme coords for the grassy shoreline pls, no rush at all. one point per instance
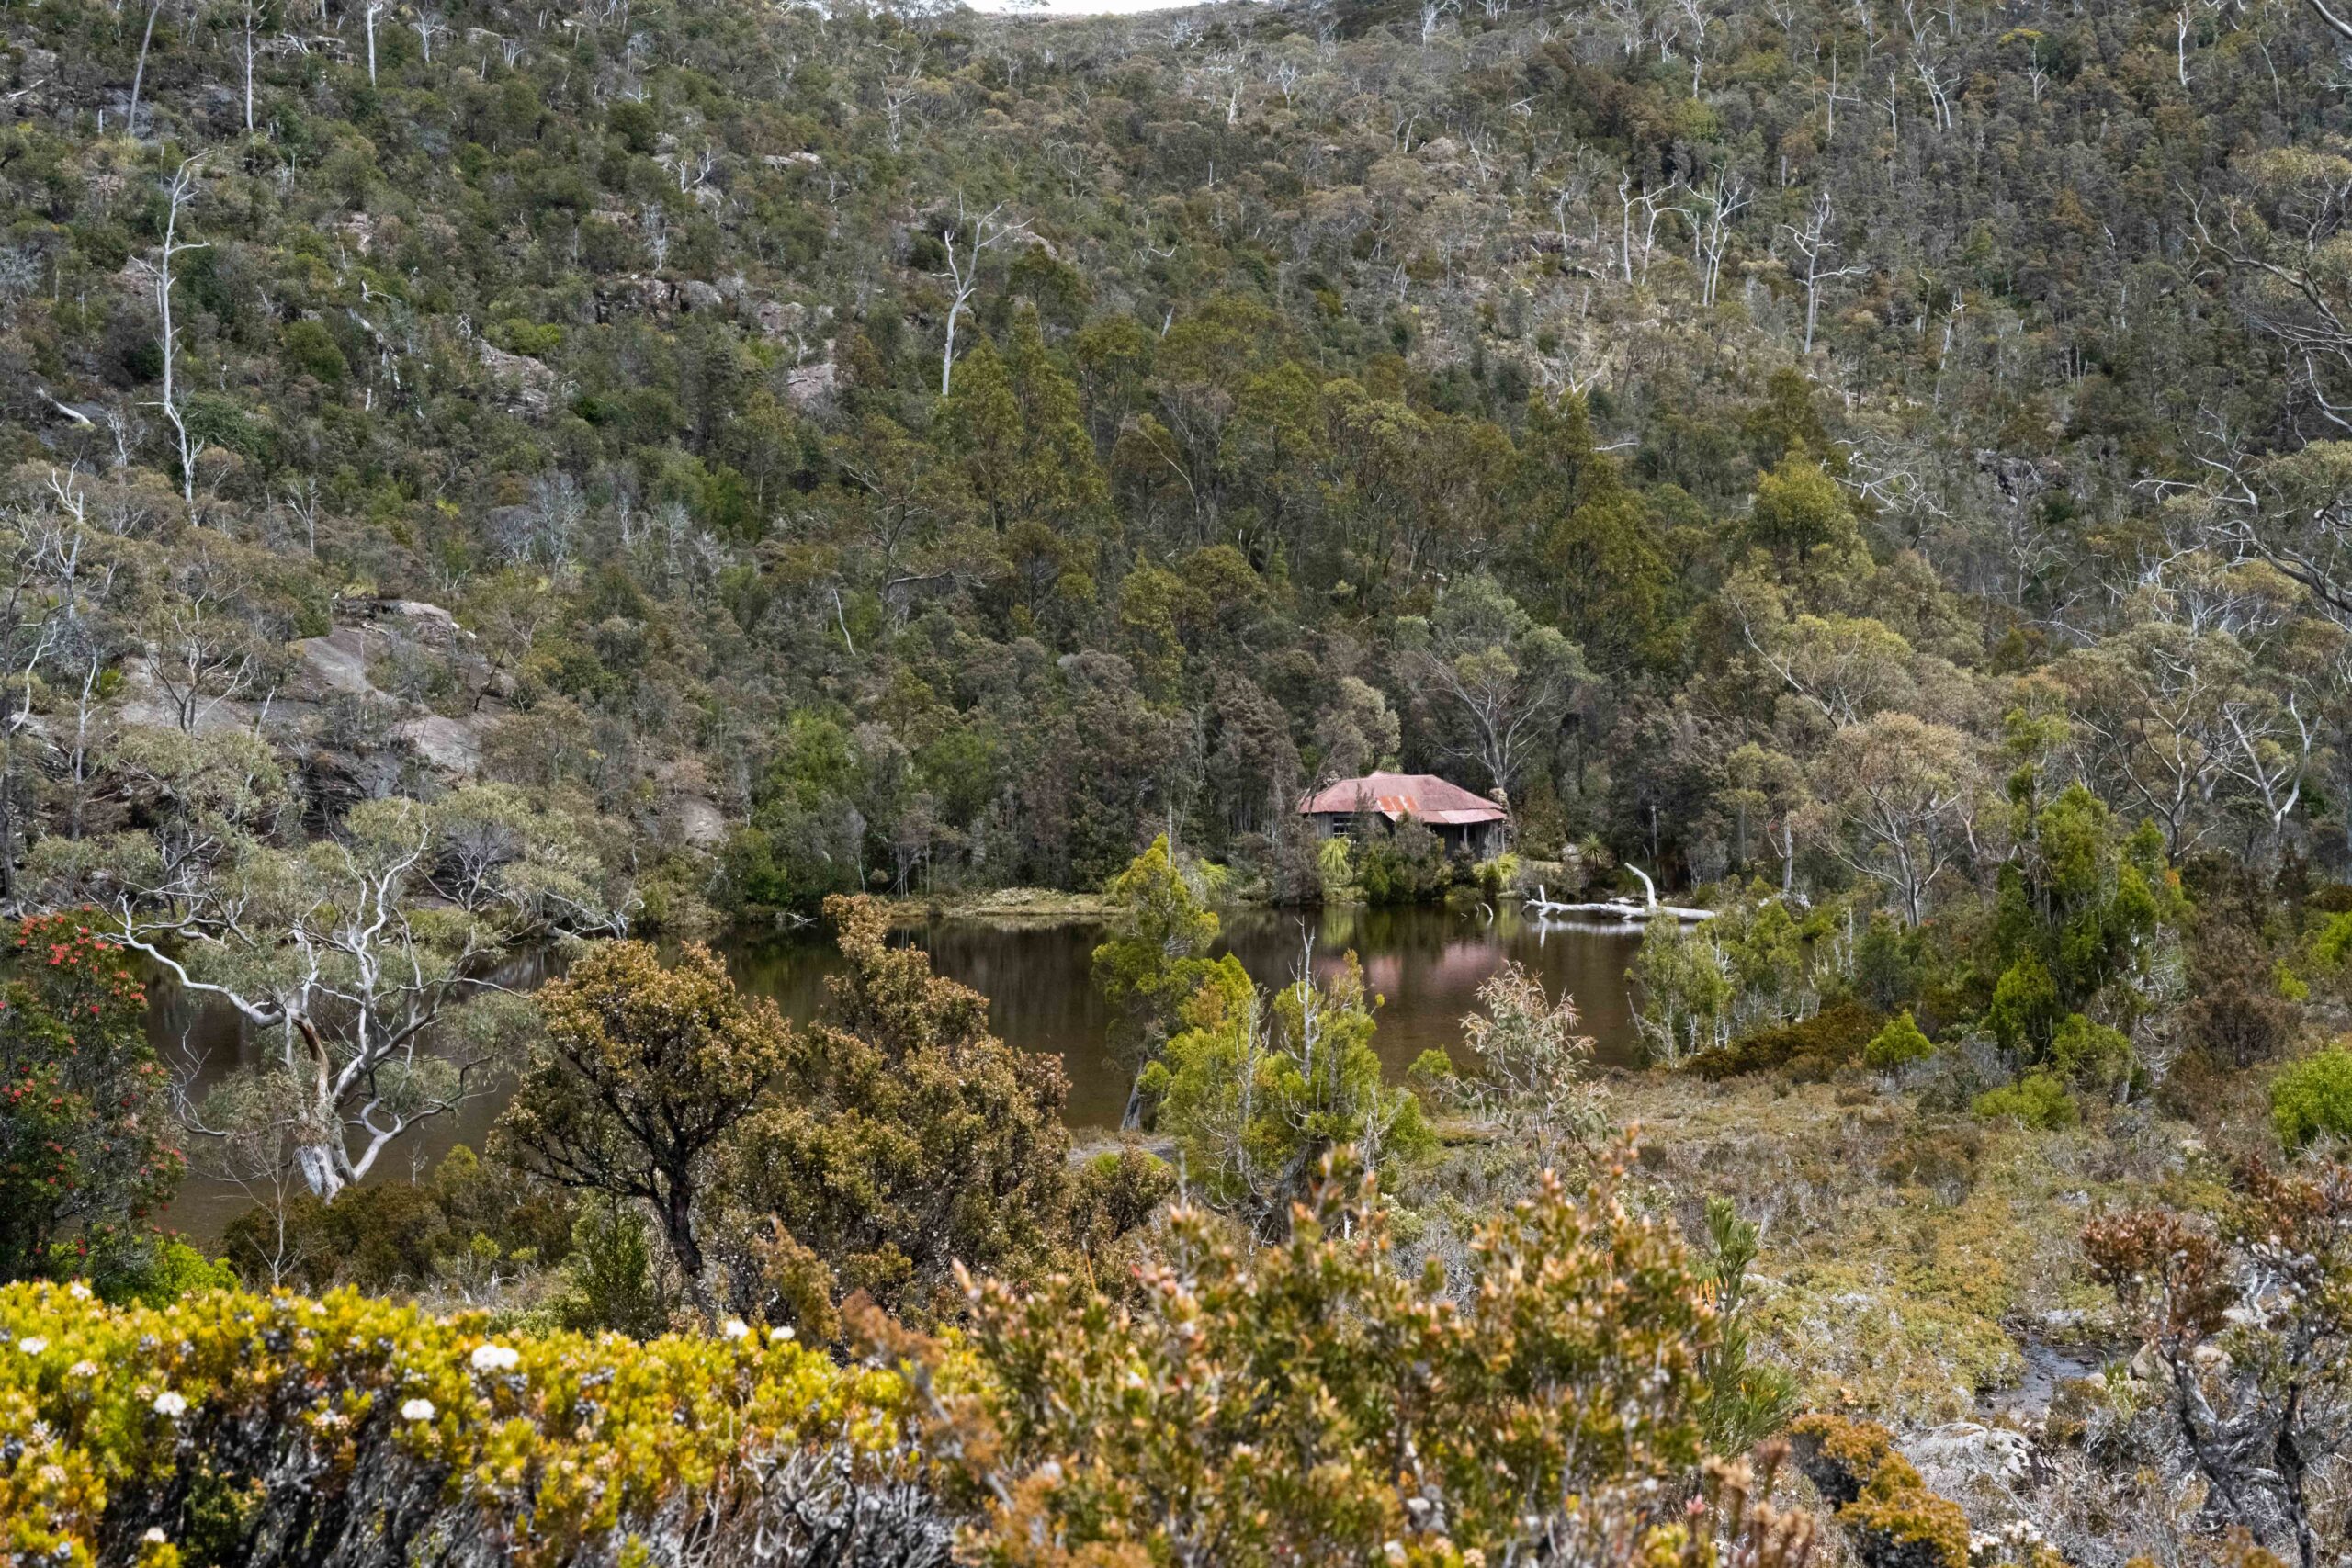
(995, 905)
(1001, 906)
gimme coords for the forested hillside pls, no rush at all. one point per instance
(485, 483)
(898, 450)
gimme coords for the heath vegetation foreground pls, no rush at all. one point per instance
(494, 491)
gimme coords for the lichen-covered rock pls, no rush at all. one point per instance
(1964, 1460)
(529, 382)
(1887, 1511)
(809, 384)
(1992, 1473)
(451, 745)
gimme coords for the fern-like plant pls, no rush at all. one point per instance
(1746, 1402)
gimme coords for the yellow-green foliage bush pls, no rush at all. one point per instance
(1311, 1401)
(230, 1426)
(2039, 1099)
(2314, 1097)
(1891, 1517)
(1897, 1046)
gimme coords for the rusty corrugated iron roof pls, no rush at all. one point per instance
(1423, 796)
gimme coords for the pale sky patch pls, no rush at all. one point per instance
(1077, 8)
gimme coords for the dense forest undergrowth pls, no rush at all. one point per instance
(483, 476)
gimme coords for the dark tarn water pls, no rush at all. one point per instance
(1425, 964)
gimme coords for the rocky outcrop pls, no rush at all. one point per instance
(359, 738)
(789, 322)
(338, 661)
(695, 820)
(529, 382)
(662, 298)
(449, 745)
(809, 385)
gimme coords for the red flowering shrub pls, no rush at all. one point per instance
(87, 1151)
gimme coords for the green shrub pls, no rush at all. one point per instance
(1265, 1083)
(2025, 1005)
(1497, 877)
(610, 1277)
(2334, 941)
(1746, 1401)
(1810, 1048)
(391, 1235)
(636, 123)
(2313, 1097)
(2082, 912)
(1405, 866)
(900, 1142)
(1332, 864)
(1684, 986)
(1117, 1190)
(227, 423)
(2091, 1055)
(312, 349)
(174, 1269)
(1887, 968)
(2039, 1099)
(518, 336)
(1897, 1046)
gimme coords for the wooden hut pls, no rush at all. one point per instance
(1467, 823)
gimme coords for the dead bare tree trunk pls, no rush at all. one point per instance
(963, 274)
(139, 77)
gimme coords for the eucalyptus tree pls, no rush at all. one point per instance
(1499, 679)
(368, 959)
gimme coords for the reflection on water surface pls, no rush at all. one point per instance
(1424, 964)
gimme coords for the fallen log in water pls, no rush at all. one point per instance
(1620, 908)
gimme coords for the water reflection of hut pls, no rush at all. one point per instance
(1466, 823)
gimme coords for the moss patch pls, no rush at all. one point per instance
(1900, 1248)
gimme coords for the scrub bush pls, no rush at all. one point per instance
(2313, 1099)
(232, 1428)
